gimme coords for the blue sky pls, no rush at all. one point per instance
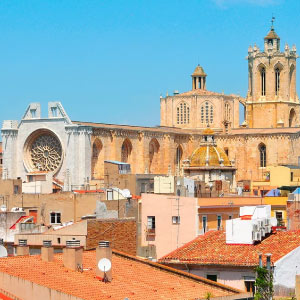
(109, 61)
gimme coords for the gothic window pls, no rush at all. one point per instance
(202, 114)
(262, 155)
(178, 156)
(183, 113)
(277, 81)
(207, 113)
(263, 81)
(154, 156)
(126, 150)
(96, 161)
(227, 111)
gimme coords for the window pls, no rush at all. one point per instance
(229, 217)
(151, 222)
(219, 218)
(227, 111)
(183, 114)
(226, 151)
(263, 155)
(54, 111)
(213, 277)
(58, 240)
(292, 176)
(263, 81)
(33, 113)
(176, 220)
(204, 223)
(55, 218)
(207, 113)
(16, 189)
(249, 283)
(279, 218)
(277, 81)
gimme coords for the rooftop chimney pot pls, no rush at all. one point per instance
(22, 248)
(47, 251)
(72, 255)
(104, 244)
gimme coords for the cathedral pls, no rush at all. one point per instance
(74, 152)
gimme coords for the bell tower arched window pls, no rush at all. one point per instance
(263, 81)
(263, 155)
(277, 81)
(183, 113)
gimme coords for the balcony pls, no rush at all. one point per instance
(150, 232)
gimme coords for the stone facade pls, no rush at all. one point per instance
(269, 135)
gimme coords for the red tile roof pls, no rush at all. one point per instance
(132, 277)
(211, 249)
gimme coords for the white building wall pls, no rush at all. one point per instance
(287, 268)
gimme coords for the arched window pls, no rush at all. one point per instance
(263, 81)
(292, 118)
(126, 150)
(207, 113)
(183, 113)
(178, 157)
(292, 82)
(154, 156)
(96, 161)
(262, 155)
(227, 111)
(277, 81)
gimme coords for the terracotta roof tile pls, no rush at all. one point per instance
(132, 277)
(211, 249)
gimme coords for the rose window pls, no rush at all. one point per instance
(46, 153)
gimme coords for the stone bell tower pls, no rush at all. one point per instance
(272, 100)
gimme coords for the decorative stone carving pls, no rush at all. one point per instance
(46, 153)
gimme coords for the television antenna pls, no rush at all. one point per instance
(104, 265)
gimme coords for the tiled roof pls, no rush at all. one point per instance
(211, 249)
(199, 71)
(132, 277)
(272, 35)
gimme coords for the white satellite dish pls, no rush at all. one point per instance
(104, 264)
(3, 251)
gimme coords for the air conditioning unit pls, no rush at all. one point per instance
(263, 232)
(261, 224)
(257, 236)
(255, 227)
(268, 229)
(267, 223)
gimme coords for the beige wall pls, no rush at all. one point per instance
(71, 206)
(27, 290)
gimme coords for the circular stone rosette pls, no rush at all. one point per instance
(43, 152)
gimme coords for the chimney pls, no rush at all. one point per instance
(103, 261)
(72, 255)
(47, 251)
(22, 248)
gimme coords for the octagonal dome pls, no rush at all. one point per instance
(209, 155)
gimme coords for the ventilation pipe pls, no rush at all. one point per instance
(103, 261)
(72, 255)
(22, 248)
(47, 251)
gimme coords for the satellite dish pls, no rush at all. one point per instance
(104, 264)
(3, 251)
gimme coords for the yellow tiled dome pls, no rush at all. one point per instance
(214, 154)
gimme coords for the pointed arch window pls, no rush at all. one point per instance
(183, 114)
(277, 81)
(263, 155)
(207, 113)
(227, 111)
(263, 81)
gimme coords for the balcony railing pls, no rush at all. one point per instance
(151, 232)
